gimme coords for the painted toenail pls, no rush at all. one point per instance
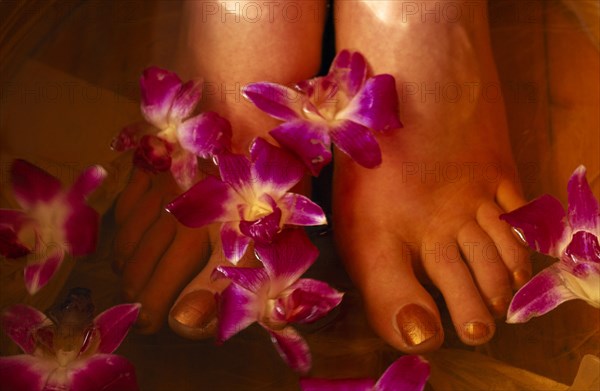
(498, 306)
(476, 331)
(520, 278)
(196, 309)
(520, 236)
(143, 319)
(416, 325)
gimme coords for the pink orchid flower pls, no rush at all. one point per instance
(251, 199)
(53, 221)
(177, 138)
(275, 296)
(572, 238)
(408, 373)
(344, 106)
(71, 352)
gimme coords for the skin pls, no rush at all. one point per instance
(430, 228)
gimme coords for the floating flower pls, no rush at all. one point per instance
(177, 137)
(251, 199)
(408, 373)
(344, 107)
(571, 237)
(275, 296)
(70, 352)
(53, 220)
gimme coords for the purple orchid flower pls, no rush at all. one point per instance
(251, 199)
(408, 373)
(275, 296)
(344, 107)
(70, 352)
(177, 137)
(53, 220)
(571, 237)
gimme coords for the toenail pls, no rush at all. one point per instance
(143, 319)
(196, 309)
(476, 331)
(520, 278)
(499, 306)
(520, 236)
(415, 324)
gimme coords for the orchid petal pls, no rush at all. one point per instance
(238, 309)
(31, 184)
(184, 168)
(234, 242)
(186, 100)
(357, 142)
(544, 292)
(235, 170)
(25, 373)
(287, 257)
(19, 322)
(276, 100)
(11, 222)
(584, 247)
(542, 223)
(128, 138)
(159, 88)
(87, 182)
(205, 135)
(274, 168)
(408, 373)
(292, 348)
(583, 206)
(250, 278)
(309, 300)
(81, 229)
(113, 325)
(350, 70)
(205, 202)
(300, 210)
(264, 229)
(10, 245)
(376, 104)
(153, 154)
(38, 274)
(105, 372)
(309, 141)
(313, 384)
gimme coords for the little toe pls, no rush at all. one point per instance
(398, 307)
(447, 270)
(184, 259)
(144, 213)
(488, 269)
(139, 268)
(139, 183)
(514, 253)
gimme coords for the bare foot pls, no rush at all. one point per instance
(429, 213)
(165, 265)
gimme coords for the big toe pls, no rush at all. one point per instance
(399, 308)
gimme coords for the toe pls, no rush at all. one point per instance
(447, 270)
(488, 269)
(139, 268)
(184, 259)
(398, 307)
(138, 184)
(514, 253)
(144, 213)
(194, 315)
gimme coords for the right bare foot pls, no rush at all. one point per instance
(430, 212)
